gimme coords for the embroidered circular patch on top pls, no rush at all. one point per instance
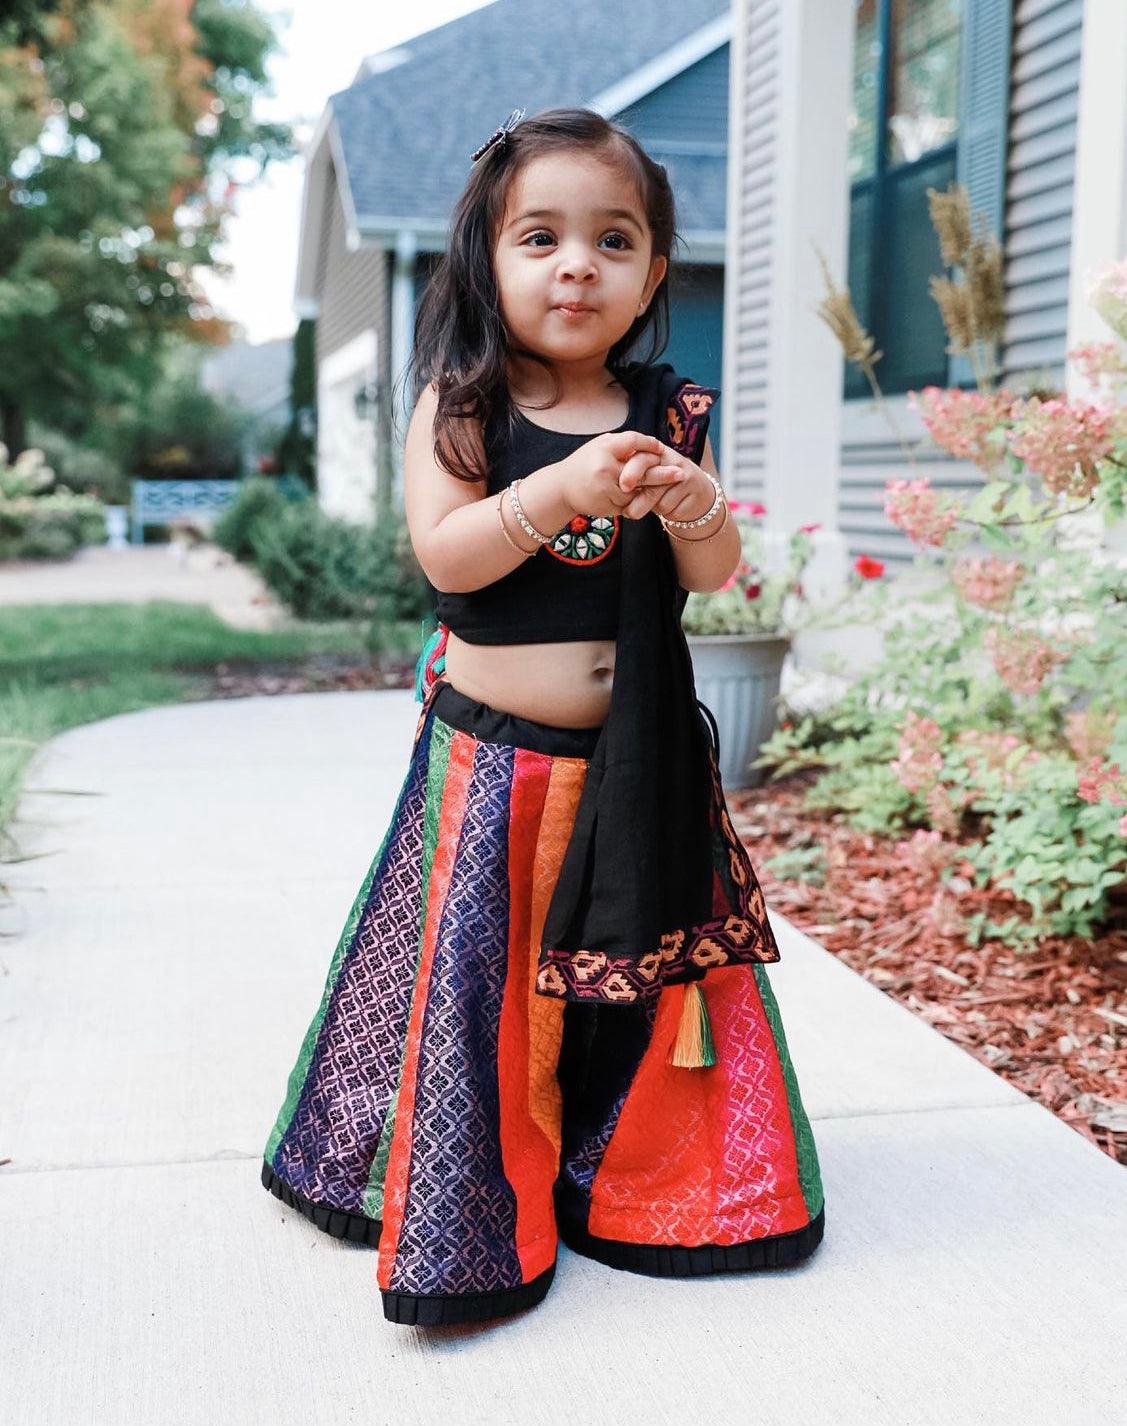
(585, 539)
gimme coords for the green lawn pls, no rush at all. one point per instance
(65, 664)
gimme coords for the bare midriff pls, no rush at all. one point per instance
(567, 684)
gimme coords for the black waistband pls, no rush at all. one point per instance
(492, 725)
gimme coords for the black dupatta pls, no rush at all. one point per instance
(638, 868)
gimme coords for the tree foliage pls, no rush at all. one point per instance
(119, 123)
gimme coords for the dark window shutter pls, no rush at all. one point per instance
(984, 93)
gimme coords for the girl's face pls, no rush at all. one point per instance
(573, 232)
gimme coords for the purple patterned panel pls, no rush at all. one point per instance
(458, 1233)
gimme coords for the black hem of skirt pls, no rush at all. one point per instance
(661, 1260)
(415, 1310)
(337, 1222)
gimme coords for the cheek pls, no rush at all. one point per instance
(517, 282)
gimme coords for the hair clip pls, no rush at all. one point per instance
(498, 136)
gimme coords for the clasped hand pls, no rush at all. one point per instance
(631, 473)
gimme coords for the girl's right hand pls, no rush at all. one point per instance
(590, 476)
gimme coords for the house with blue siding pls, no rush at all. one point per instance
(843, 115)
(391, 153)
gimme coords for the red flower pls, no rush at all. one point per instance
(577, 524)
(809, 529)
(752, 591)
(867, 567)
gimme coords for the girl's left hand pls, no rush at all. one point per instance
(689, 496)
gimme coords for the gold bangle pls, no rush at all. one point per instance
(699, 539)
(504, 531)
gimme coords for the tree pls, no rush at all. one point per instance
(297, 450)
(119, 120)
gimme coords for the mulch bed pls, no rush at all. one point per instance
(1053, 1022)
(317, 673)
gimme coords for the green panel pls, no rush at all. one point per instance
(809, 1168)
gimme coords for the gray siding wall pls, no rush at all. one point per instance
(1044, 91)
(352, 287)
(1044, 87)
(692, 106)
(751, 282)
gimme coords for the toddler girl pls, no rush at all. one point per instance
(547, 1017)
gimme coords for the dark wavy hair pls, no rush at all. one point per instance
(460, 339)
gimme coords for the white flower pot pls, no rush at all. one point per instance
(117, 526)
(738, 676)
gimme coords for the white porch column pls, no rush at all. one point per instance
(1099, 206)
(788, 191)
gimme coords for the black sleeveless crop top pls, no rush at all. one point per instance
(568, 589)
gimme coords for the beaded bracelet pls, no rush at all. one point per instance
(708, 514)
(718, 499)
(701, 539)
(504, 531)
(514, 501)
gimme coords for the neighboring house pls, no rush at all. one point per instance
(391, 154)
(257, 376)
(842, 116)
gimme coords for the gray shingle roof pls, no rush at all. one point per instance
(406, 133)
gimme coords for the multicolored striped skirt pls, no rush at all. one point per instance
(445, 1113)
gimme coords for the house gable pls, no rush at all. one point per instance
(691, 109)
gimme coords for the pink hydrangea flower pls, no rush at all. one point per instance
(1063, 441)
(919, 760)
(1021, 659)
(1099, 361)
(962, 421)
(987, 581)
(914, 507)
(1101, 782)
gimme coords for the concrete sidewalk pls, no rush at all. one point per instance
(97, 574)
(172, 940)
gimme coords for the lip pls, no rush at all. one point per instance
(573, 307)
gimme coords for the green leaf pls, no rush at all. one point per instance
(992, 493)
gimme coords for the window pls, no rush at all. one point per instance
(902, 141)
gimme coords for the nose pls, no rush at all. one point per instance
(576, 262)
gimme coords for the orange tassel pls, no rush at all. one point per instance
(694, 1047)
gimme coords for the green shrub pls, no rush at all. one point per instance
(82, 466)
(50, 526)
(321, 567)
(325, 568)
(257, 500)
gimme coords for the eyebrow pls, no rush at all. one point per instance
(555, 213)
